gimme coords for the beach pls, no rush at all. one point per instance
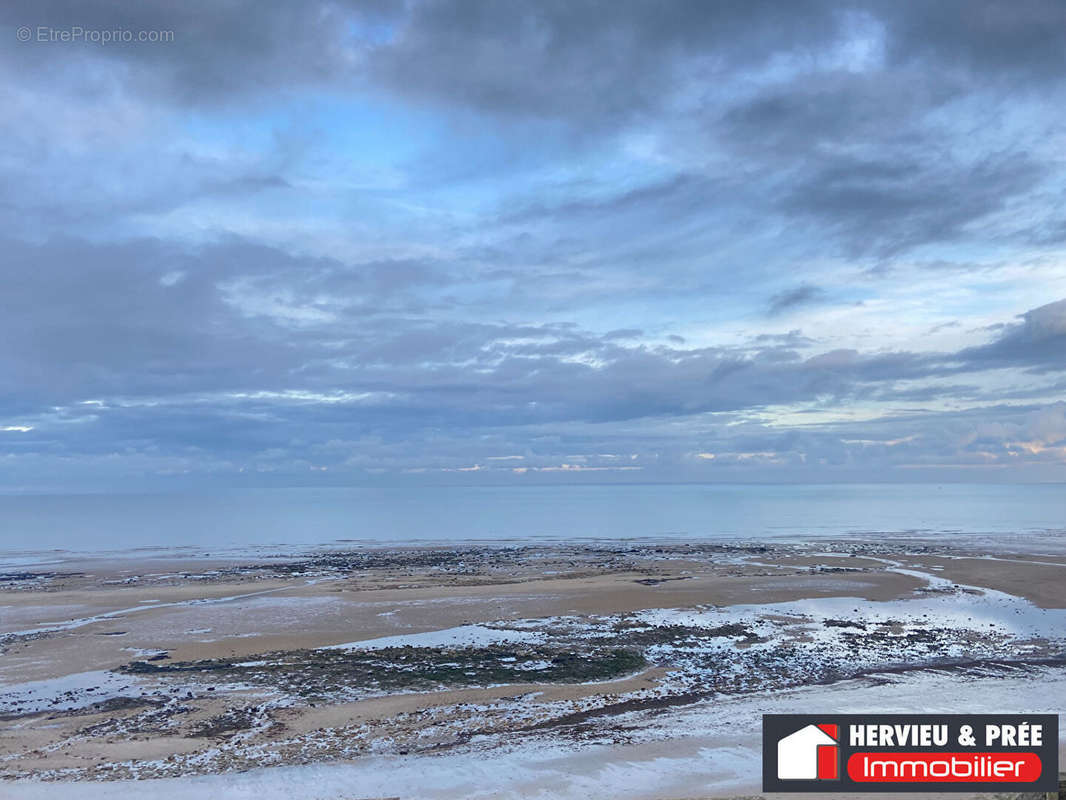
(588, 400)
(481, 670)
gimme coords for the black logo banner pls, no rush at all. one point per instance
(910, 753)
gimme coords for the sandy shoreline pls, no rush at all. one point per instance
(162, 668)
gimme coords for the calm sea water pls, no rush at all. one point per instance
(280, 518)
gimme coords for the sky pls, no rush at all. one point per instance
(362, 243)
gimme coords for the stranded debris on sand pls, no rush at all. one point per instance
(566, 643)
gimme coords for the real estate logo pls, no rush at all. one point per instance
(910, 753)
(811, 753)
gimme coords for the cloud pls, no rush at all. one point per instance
(581, 61)
(1037, 342)
(399, 238)
(799, 296)
(115, 353)
(216, 52)
(1022, 42)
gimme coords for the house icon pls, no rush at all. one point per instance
(809, 754)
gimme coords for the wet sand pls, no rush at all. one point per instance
(170, 668)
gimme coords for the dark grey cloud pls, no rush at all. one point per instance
(1019, 41)
(887, 207)
(601, 178)
(792, 298)
(555, 58)
(145, 322)
(1037, 342)
(218, 52)
(858, 152)
(583, 60)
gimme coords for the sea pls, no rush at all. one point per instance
(217, 523)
